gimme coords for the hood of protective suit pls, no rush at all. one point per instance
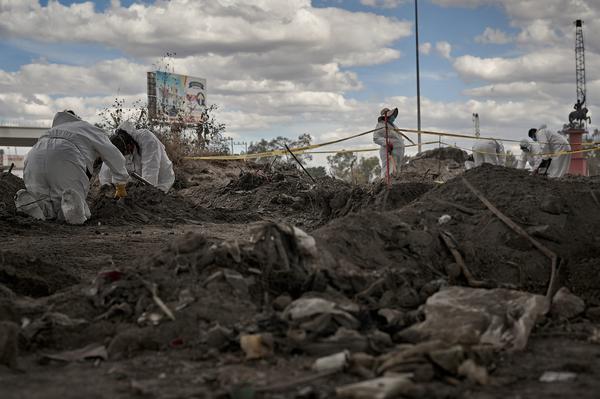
(525, 143)
(128, 126)
(64, 117)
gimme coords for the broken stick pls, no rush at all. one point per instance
(517, 229)
(471, 280)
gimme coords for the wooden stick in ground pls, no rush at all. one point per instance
(471, 280)
(517, 229)
(299, 163)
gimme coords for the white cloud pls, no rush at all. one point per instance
(382, 3)
(207, 27)
(539, 32)
(493, 36)
(444, 49)
(425, 48)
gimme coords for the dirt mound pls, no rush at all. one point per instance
(444, 153)
(562, 215)
(9, 185)
(29, 276)
(439, 164)
(145, 205)
(289, 195)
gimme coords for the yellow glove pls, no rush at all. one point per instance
(120, 191)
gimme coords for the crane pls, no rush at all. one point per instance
(580, 62)
(578, 117)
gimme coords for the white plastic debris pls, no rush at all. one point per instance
(337, 362)
(378, 388)
(557, 376)
(444, 219)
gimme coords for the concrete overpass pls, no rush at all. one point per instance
(20, 136)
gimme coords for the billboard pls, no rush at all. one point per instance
(173, 97)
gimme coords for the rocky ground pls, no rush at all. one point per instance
(246, 282)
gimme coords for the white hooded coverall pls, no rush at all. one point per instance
(532, 156)
(149, 159)
(488, 151)
(552, 143)
(55, 168)
(396, 157)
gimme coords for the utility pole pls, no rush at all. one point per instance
(476, 124)
(418, 77)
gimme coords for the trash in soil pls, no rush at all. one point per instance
(337, 362)
(498, 317)
(558, 376)
(90, 352)
(257, 346)
(378, 388)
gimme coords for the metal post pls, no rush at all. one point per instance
(418, 78)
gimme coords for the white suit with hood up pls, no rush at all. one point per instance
(552, 143)
(396, 140)
(149, 159)
(531, 156)
(488, 151)
(55, 169)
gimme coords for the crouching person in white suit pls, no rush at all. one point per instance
(145, 156)
(58, 167)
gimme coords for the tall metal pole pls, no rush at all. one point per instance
(418, 77)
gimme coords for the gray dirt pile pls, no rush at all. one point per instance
(149, 205)
(9, 185)
(355, 283)
(562, 215)
(437, 164)
(289, 195)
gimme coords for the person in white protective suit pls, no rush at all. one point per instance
(58, 169)
(145, 155)
(390, 141)
(488, 151)
(530, 154)
(553, 143)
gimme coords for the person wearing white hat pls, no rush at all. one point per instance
(390, 141)
(58, 170)
(145, 155)
(530, 154)
(488, 151)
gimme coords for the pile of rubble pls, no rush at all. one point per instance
(414, 301)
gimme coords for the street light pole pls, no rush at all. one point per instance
(418, 78)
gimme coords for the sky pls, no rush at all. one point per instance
(323, 67)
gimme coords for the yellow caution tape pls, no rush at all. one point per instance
(365, 149)
(543, 155)
(303, 150)
(467, 136)
(297, 150)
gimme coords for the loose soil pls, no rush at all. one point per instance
(220, 252)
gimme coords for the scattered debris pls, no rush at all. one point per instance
(558, 376)
(566, 305)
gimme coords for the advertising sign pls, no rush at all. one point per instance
(173, 97)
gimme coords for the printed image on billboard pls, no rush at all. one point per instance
(175, 97)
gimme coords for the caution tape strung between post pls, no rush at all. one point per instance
(543, 155)
(305, 149)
